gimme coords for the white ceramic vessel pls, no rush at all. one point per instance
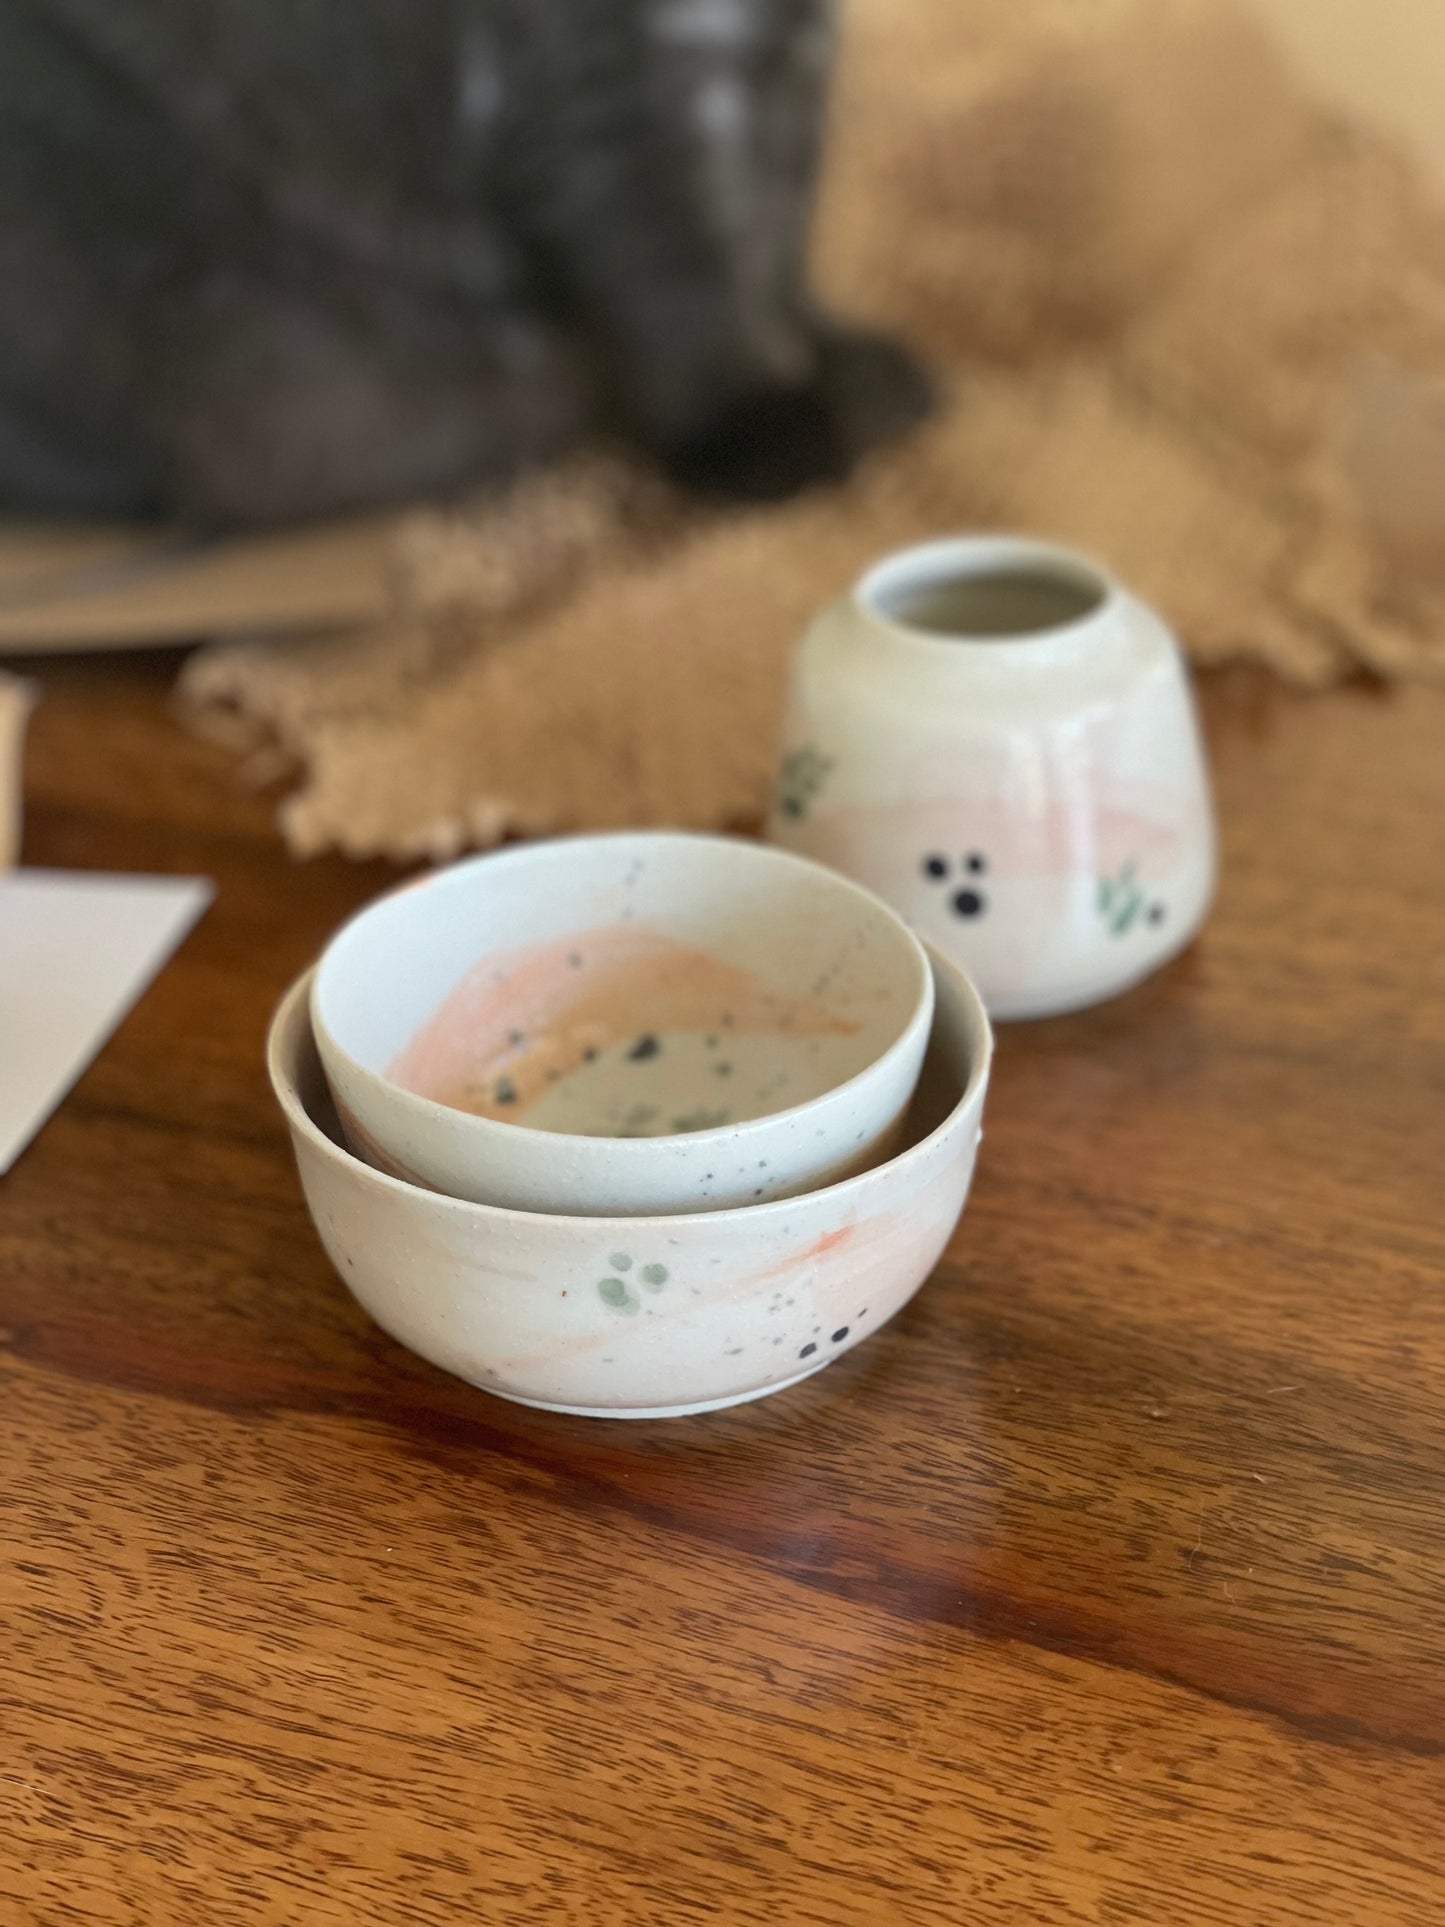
(643, 1317)
(1000, 740)
(619, 1024)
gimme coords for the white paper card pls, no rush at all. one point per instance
(76, 951)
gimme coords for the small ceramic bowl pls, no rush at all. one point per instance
(644, 1317)
(620, 1024)
(999, 739)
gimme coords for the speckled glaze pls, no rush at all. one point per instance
(644, 1317)
(1034, 801)
(620, 1024)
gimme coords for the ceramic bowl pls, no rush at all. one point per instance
(999, 739)
(644, 1317)
(620, 1024)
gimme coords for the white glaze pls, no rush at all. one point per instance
(532, 943)
(1066, 762)
(710, 1308)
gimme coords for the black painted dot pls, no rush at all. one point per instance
(506, 1091)
(840, 1334)
(975, 863)
(589, 1056)
(967, 903)
(1156, 913)
(515, 1037)
(644, 1048)
(935, 867)
(807, 1351)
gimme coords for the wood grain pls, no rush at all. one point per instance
(1104, 1586)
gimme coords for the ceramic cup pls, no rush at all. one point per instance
(631, 1023)
(644, 1317)
(1000, 740)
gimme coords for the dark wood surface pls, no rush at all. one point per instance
(1106, 1585)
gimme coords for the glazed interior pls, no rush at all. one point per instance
(624, 987)
(984, 591)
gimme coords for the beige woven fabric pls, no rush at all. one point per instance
(1183, 319)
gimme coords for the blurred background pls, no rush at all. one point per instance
(1386, 64)
(1176, 273)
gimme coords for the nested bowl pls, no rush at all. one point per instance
(620, 1024)
(644, 1316)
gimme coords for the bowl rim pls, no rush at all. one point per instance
(979, 1037)
(977, 553)
(624, 1149)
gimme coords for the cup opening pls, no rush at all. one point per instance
(985, 592)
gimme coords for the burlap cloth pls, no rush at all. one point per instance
(1183, 318)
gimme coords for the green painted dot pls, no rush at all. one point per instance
(620, 1261)
(655, 1276)
(613, 1292)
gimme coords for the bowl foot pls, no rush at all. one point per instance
(661, 1411)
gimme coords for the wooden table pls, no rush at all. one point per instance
(1104, 1586)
